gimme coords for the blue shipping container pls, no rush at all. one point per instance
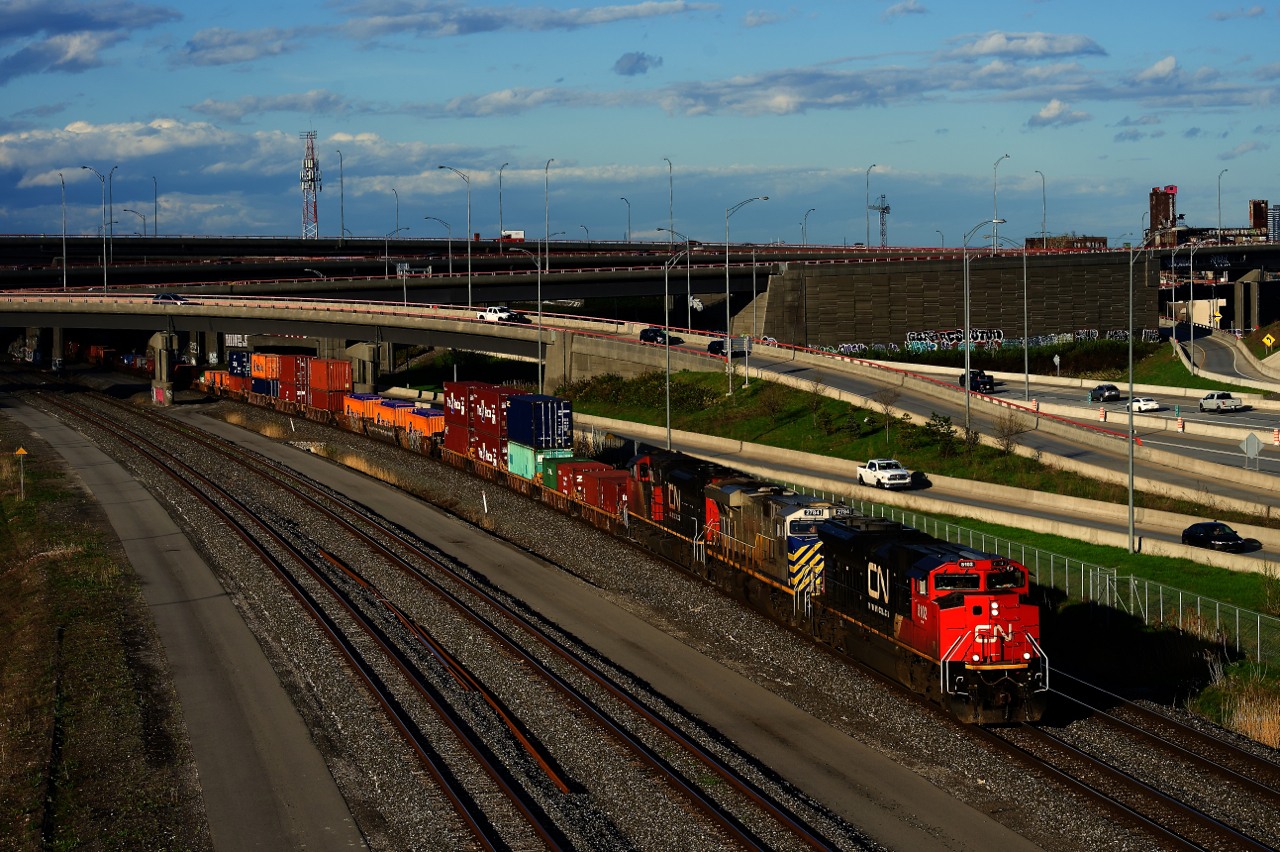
(238, 364)
(267, 387)
(540, 422)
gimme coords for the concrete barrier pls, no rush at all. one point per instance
(755, 459)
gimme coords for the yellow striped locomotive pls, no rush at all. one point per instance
(948, 622)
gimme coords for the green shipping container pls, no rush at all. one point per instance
(527, 462)
(549, 472)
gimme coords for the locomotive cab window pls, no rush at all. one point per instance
(957, 582)
(1012, 579)
(805, 527)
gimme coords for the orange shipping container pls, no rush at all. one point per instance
(258, 365)
(330, 374)
(424, 424)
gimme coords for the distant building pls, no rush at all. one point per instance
(1273, 223)
(1066, 242)
(1258, 214)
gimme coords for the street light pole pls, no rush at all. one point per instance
(728, 336)
(942, 240)
(140, 216)
(111, 220)
(450, 243)
(805, 225)
(1191, 314)
(1044, 206)
(584, 227)
(867, 244)
(155, 203)
(342, 201)
(671, 204)
(968, 381)
(1131, 260)
(995, 207)
(468, 182)
(688, 273)
(104, 224)
(628, 221)
(64, 230)
(397, 195)
(1220, 174)
(666, 329)
(502, 234)
(386, 256)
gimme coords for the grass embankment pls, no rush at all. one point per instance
(430, 373)
(1165, 368)
(93, 751)
(779, 416)
(1254, 340)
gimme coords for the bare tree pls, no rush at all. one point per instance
(1008, 430)
(772, 400)
(885, 398)
(814, 387)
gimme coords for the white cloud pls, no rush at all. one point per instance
(631, 64)
(1238, 12)
(1138, 122)
(1244, 148)
(906, 7)
(1163, 71)
(1025, 45)
(759, 18)
(315, 102)
(1057, 114)
(221, 46)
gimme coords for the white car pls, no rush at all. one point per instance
(884, 473)
(1143, 403)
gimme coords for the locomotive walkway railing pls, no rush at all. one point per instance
(1250, 633)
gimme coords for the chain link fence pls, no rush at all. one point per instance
(1251, 633)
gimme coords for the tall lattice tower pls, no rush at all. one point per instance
(883, 209)
(310, 177)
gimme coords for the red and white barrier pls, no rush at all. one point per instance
(1035, 405)
(1181, 427)
(1275, 437)
(1102, 414)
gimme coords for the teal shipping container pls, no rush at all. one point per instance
(525, 461)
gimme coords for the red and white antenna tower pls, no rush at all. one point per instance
(310, 177)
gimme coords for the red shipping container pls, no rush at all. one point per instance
(457, 401)
(489, 449)
(457, 439)
(330, 374)
(569, 476)
(605, 489)
(292, 393)
(489, 409)
(239, 383)
(293, 370)
(328, 400)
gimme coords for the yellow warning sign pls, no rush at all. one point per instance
(1218, 317)
(1269, 341)
(21, 452)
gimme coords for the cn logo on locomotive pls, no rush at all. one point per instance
(877, 589)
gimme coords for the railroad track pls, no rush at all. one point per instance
(369, 530)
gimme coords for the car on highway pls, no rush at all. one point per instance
(169, 299)
(884, 473)
(1215, 535)
(979, 382)
(659, 336)
(1105, 393)
(501, 313)
(1220, 401)
(1143, 403)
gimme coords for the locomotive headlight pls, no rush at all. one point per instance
(995, 607)
(1027, 655)
(976, 658)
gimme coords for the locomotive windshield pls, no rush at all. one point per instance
(805, 527)
(1013, 579)
(957, 582)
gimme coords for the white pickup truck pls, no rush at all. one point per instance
(499, 313)
(884, 473)
(1220, 401)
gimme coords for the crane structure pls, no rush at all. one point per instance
(310, 178)
(883, 209)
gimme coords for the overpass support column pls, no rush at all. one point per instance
(211, 347)
(558, 351)
(56, 355)
(364, 366)
(166, 355)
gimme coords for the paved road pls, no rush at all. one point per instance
(1218, 356)
(266, 787)
(897, 807)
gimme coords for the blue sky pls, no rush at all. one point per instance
(792, 102)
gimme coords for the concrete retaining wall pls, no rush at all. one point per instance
(755, 459)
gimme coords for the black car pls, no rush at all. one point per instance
(658, 336)
(1105, 393)
(168, 299)
(979, 382)
(1216, 535)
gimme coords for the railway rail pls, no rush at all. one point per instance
(351, 520)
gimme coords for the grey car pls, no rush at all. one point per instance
(1105, 393)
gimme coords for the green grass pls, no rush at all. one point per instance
(1166, 368)
(431, 373)
(1244, 697)
(1253, 340)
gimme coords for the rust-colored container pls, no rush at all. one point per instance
(457, 438)
(292, 393)
(292, 370)
(457, 401)
(489, 449)
(605, 489)
(329, 374)
(239, 383)
(489, 409)
(570, 477)
(328, 400)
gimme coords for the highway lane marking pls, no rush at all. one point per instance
(1216, 452)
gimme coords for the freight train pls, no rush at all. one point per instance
(950, 623)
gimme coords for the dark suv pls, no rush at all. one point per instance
(1105, 393)
(979, 382)
(1216, 535)
(658, 336)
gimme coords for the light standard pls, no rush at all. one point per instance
(671, 202)
(342, 201)
(541, 375)
(1044, 207)
(502, 233)
(628, 221)
(1132, 258)
(155, 204)
(805, 226)
(942, 241)
(968, 381)
(995, 206)
(537, 262)
(584, 227)
(104, 224)
(111, 216)
(397, 195)
(386, 254)
(468, 180)
(1191, 315)
(450, 243)
(64, 230)
(1026, 333)
(666, 328)
(868, 242)
(1220, 174)
(546, 213)
(140, 216)
(688, 272)
(728, 335)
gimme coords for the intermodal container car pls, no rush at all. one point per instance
(606, 489)
(527, 462)
(238, 363)
(489, 449)
(457, 401)
(489, 409)
(570, 480)
(424, 424)
(292, 369)
(241, 384)
(329, 374)
(457, 438)
(266, 387)
(292, 393)
(540, 421)
(551, 465)
(360, 404)
(390, 412)
(327, 400)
